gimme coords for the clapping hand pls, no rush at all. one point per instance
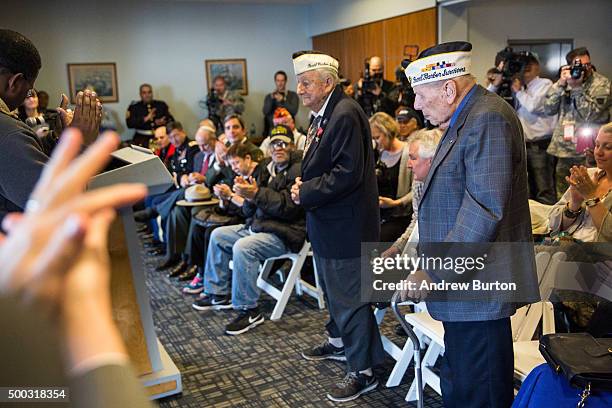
(580, 180)
(86, 117)
(246, 189)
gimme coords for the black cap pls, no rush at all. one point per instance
(452, 46)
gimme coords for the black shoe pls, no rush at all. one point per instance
(245, 321)
(399, 330)
(178, 269)
(325, 351)
(157, 252)
(352, 386)
(190, 272)
(214, 302)
(143, 229)
(145, 215)
(170, 262)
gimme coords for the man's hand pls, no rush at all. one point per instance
(564, 76)
(278, 96)
(66, 114)
(391, 252)
(414, 292)
(295, 190)
(517, 85)
(150, 115)
(222, 191)
(160, 122)
(184, 181)
(386, 202)
(246, 189)
(87, 115)
(196, 178)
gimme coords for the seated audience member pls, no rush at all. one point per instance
(235, 133)
(165, 149)
(393, 177)
(409, 121)
(55, 278)
(19, 66)
(584, 211)
(181, 164)
(283, 117)
(280, 98)
(209, 169)
(274, 225)
(422, 149)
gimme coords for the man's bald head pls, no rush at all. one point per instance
(376, 66)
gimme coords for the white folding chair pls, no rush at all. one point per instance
(292, 280)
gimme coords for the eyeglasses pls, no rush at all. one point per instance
(278, 145)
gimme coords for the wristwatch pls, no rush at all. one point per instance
(591, 202)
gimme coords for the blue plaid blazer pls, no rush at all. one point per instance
(476, 191)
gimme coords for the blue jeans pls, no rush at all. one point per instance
(249, 250)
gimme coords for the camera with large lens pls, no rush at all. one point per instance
(514, 64)
(577, 69)
(368, 100)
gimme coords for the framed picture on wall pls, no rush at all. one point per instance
(100, 77)
(233, 70)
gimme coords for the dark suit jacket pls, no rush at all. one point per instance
(339, 190)
(476, 192)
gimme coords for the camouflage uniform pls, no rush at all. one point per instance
(587, 105)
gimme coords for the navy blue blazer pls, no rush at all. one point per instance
(476, 191)
(339, 190)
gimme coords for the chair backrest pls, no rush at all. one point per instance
(592, 278)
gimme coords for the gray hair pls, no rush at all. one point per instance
(325, 73)
(428, 142)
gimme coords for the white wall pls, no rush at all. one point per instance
(332, 15)
(492, 22)
(164, 43)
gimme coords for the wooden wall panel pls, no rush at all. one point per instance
(418, 28)
(362, 42)
(385, 38)
(331, 43)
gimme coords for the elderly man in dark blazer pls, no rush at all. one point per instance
(475, 192)
(338, 190)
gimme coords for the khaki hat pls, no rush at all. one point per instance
(197, 195)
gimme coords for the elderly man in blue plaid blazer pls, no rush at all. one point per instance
(475, 192)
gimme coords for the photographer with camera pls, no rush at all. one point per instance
(529, 92)
(222, 102)
(373, 91)
(581, 97)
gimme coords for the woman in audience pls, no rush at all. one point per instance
(41, 122)
(393, 177)
(55, 283)
(583, 212)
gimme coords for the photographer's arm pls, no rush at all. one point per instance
(532, 97)
(552, 100)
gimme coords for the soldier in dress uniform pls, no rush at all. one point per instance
(146, 115)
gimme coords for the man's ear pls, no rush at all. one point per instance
(13, 82)
(450, 91)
